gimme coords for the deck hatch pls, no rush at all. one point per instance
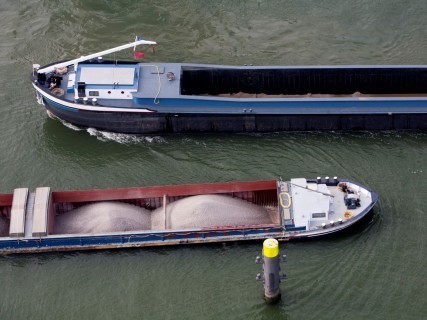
(108, 75)
(41, 212)
(17, 216)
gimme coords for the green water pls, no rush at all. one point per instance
(377, 272)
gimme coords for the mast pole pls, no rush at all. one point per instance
(94, 55)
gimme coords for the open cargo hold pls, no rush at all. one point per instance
(292, 81)
(5, 210)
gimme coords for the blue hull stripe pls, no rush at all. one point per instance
(86, 241)
(360, 106)
(58, 105)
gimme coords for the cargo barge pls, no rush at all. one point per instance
(154, 98)
(46, 220)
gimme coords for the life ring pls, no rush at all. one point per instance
(285, 200)
(348, 215)
(57, 92)
(62, 70)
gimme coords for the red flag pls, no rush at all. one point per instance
(138, 55)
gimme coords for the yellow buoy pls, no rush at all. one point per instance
(271, 248)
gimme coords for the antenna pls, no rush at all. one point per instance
(94, 55)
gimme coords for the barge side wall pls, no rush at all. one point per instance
(159, 123)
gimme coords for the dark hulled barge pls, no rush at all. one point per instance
(46, 220)
(153, 98)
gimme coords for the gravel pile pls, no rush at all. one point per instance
(4, 226)
(209, 211)
(103, 217)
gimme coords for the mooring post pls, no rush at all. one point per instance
(271, 267)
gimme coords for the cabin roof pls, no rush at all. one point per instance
(99, 75)
(308, 200)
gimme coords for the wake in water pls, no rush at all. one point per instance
(106, 136)
(122, 137)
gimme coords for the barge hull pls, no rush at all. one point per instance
(110, 242)
(262, 193)
(155, 98)
(158, 123)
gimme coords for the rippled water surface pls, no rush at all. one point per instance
(376, 272)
